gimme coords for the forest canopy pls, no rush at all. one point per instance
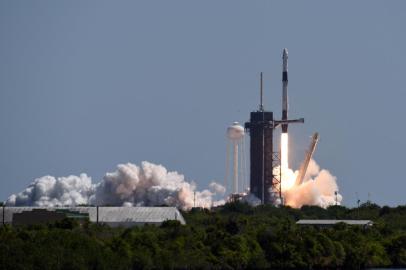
(233, 236)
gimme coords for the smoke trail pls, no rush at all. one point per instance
(130, 185)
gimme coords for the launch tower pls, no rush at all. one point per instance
(264, 184)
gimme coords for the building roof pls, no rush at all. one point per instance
(334, 221)
(109, 215)
(138, 214)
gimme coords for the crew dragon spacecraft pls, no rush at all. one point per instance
(264, 184)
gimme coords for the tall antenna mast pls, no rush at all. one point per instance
(261, 104)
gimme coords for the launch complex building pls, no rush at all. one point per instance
(265, 183)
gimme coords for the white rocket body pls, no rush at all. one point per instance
(285, 105)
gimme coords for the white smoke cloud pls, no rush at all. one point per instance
(51, 191)
(318, 188)
(152, 185)
(129, 185)
(217, 188)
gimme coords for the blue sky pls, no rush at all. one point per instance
(85, 85)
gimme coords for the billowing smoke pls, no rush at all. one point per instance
(152, 185)
(51, 191)
(130, 185)
(217, 188)
(319, 188)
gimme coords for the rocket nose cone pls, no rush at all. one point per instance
(285, 53)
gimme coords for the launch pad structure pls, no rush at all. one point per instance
(265, 184)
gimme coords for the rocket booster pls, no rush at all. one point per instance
(285, 90)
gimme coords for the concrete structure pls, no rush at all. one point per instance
(331, 222)
(112, 216)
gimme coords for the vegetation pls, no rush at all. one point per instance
(234, 236)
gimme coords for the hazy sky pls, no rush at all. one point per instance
(85, 85)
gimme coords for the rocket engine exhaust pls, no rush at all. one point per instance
(284, 151)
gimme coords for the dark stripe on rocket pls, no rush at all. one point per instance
(284, 117)
(285, 76)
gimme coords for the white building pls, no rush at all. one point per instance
(331, 222)
(112, 216)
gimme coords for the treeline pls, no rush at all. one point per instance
(235, 236)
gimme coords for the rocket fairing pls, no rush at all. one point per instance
(285, 90)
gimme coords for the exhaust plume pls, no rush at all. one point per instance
(284, 151)
(129, 185)
(318, 188)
